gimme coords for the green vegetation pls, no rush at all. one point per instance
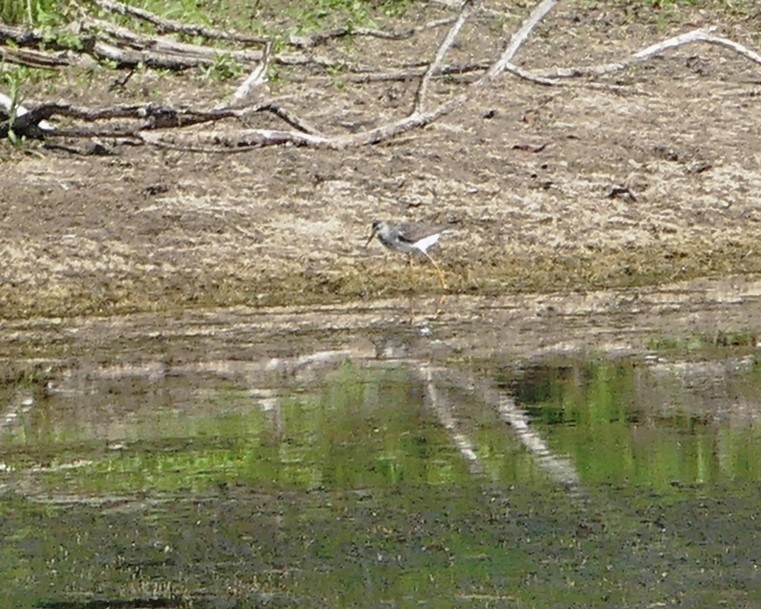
(351, 493)
(308, 15)
(609, 417)
(22, 11)
(11, 82)
(701, 342)
(332, 438)
(313, 16)
(32, 12)
(224, 68)
(359, 430)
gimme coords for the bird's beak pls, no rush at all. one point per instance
(370, 238)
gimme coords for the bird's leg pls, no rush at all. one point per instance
(412, 290)
(440, 304)
(412, 307)
(438, 270)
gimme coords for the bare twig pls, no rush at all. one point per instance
(446, 44)
(699, 35)
(158, 51)
(416, 72)
(517, 40)
(256, 81)
(151, 117)
(129, 49)
(447, 70)
(242, 142)
(286, 116)
(31, 58)
(305, 42)
(169, 26)
(313, 40)
(139, 123)
(257, 138)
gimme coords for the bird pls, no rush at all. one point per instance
(409, 238)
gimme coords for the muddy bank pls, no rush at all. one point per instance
(650, 177)
(716, 313)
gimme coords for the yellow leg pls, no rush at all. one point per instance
(440, 304)
(438, 270)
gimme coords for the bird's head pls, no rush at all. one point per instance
(375, 226)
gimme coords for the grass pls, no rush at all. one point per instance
(313, 15)
(31, 12)
(12, 82)
(224, 68)
(231, 284)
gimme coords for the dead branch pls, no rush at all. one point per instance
(305, 42)
(259, 138)
(443, 49)
(32, 59)
(255, 82)
(694, 36)
(22, 37)
(168, 26)
(312, 40)
(554, 76)
(286, 116)
(150, 116)
(129, 48)
(419, 119)
(157, 117)
(209, 142)
(139, 123)
(416, 72)
(701, 35)
(10, 108)
(517, 40)
(154, 116)
(448, 70)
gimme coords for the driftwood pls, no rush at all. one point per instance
(700, 35)
(165, 26)
(32, 58)
(161, 125)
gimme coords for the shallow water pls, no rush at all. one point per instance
(384, 465)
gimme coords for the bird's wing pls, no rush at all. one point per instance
(413, 232)
(406, 233)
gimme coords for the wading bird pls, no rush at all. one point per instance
(409, 238)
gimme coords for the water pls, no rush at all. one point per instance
(381, 465)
